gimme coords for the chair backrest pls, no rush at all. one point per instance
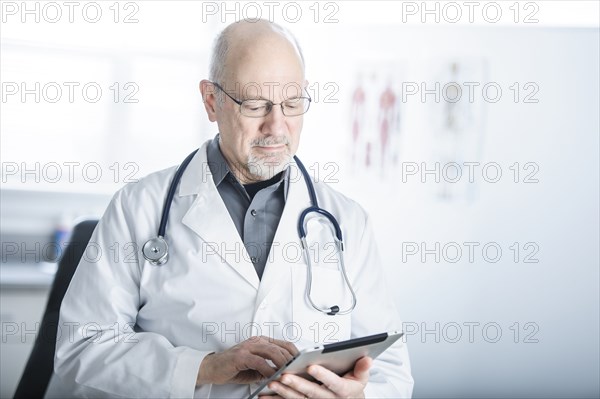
(35, 378)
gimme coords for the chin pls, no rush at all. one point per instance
(265, 167)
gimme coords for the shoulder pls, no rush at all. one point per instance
(149, 189)
(135, 209)
(341, 206)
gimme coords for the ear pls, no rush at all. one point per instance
(208, 97)
(305, 88)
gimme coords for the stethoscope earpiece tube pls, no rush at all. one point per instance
(334, 310)
(156, 250)
(309, 185)
(329, 216)
(171, 193)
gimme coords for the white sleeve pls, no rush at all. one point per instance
(98, 353)
(375, 312)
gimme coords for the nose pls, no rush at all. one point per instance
(275, 121)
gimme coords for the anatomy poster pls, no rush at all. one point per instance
(376, 119)
(455, 123)
(418, 115)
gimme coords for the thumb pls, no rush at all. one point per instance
(361, 369)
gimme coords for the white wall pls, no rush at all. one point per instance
(558, 296)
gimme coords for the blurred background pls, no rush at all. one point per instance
(468, 130)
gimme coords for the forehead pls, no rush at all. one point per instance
(264, 66)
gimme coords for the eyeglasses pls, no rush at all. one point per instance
(258, 108)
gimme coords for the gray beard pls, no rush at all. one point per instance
(265, 169)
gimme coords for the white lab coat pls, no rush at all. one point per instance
(208, 297)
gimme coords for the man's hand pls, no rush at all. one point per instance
(351, 385)
(246, 362)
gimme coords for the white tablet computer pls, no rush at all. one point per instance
(338, 357)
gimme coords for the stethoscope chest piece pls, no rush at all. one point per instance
(156, 251)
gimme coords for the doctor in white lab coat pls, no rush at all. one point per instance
(190, 328)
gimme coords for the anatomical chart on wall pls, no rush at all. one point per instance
(418, 119)
(376, 120)
(456, 124)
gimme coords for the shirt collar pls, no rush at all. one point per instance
(216, 162)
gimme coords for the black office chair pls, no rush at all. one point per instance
(35, 378)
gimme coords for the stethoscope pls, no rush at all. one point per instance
(156, 250)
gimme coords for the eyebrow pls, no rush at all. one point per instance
(266, 99)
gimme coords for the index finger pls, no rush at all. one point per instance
(287, 345)
(331, 380)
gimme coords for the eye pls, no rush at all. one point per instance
(255, 105)
(255, 108)
(293, 104)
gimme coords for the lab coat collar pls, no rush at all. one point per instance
(209, 218)
(197, 174)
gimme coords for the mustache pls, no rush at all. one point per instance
(267, 141)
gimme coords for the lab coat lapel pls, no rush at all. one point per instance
(209, 218)
(286, 242)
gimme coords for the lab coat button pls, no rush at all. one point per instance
(263, 305)
(253, 212)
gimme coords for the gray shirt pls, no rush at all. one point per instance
(255, 218)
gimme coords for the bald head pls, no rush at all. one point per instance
(256, 61)
(247, 41)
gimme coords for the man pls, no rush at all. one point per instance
(230, 305)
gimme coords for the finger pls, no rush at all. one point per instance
(253, 362)
(246, 377)
(361, 369)
(305, 387)
(288, 346)
(286, 391)
(271, 352)
(332, 381)
(286, 355)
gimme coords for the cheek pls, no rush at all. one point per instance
(295, 128)
(246, 130)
